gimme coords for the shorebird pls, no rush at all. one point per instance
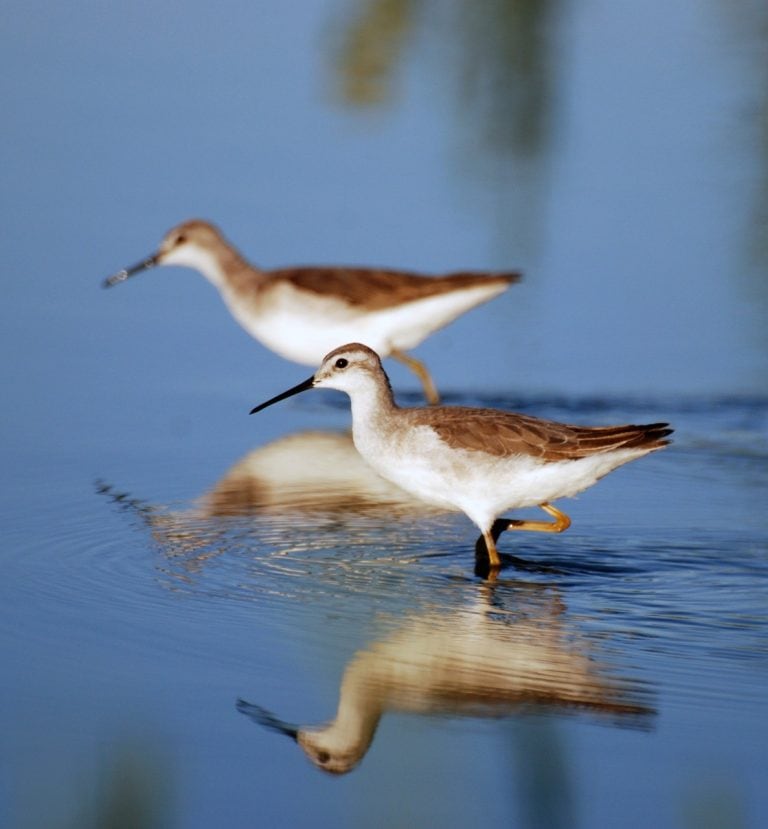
(481, 462)
(301, 313)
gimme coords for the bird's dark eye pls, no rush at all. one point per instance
(180, 239)
(342, 362)
(323, 757)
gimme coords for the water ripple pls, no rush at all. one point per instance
(300, 535)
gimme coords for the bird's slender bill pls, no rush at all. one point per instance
(125, 273)
(267, 719)
(307, 384)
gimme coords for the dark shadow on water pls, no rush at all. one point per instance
(575, 564)
(483, 569)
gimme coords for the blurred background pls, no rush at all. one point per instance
(616, 153)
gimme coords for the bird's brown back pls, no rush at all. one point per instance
(504, 434)
(379, 288)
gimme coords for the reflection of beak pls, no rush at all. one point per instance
(267, 719)
(122, 275)
(307, 384)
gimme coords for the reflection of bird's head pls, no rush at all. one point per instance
(336, 748)
(323, 748)
(481, 660)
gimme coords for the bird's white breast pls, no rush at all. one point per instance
(479, 484)
(304, 327)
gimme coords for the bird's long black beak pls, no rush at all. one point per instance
(267, 719)
(307, 384)
(125, 273)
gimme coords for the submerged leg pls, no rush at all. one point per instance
(559, 525)
(419, 369)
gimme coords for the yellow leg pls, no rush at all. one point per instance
(487, 541)
(490, 546)
(559, 525)
(419, 369)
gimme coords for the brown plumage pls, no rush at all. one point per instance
(480, 461)
(378, 288)
(504, 434)
(303, 312)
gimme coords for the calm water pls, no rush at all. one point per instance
(164, 555)
(620, 682)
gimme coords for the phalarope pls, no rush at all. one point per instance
(478, 461)
(302, 313)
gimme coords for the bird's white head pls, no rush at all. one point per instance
(350, 368)
(194, 244)
(353, 368)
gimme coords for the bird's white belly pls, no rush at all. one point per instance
(303, 327)
(480, 485)
(305, 339)
(305, 332)
(405, 326)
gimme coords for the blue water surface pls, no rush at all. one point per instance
(165, 555)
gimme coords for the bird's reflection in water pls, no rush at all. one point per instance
(299, 492)
(482, 661)
(313, 472)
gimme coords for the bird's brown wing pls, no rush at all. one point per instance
(504, 434)
(378, 288)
